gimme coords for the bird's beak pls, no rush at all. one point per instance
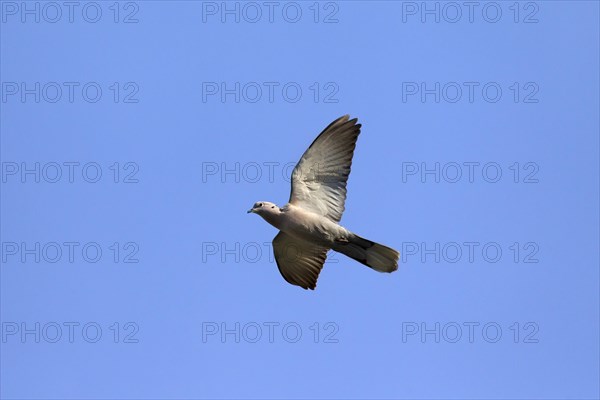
(250, 210)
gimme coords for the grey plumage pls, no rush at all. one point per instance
(308, 223)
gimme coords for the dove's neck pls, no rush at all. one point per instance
(273, 217)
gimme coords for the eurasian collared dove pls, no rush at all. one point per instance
(308, 223)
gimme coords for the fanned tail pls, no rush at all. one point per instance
(374, 255)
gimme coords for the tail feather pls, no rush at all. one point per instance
(374, 255)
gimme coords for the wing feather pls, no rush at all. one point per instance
(319, 179)
(299, 262)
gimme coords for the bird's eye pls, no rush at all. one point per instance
(272, 206)
(259, 205)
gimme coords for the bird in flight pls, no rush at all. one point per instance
(308, 223)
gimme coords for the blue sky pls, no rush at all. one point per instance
(135, 136)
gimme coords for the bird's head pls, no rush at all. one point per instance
(264, 208)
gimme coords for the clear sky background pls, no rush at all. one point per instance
(185, 300)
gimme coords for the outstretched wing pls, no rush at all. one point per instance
(299, 262)
(319, 179)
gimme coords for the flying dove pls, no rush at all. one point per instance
(308, 223)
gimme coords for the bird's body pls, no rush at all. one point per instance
(305, 225)
(309, 222)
